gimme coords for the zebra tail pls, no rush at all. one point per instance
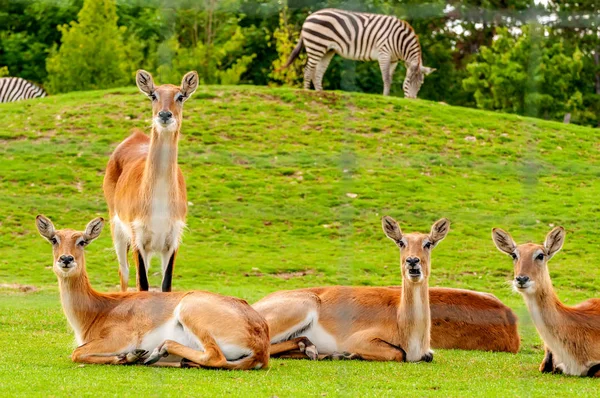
(293, 55)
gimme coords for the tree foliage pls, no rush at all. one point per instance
(526, 74)
(92, 54)
(472, 44)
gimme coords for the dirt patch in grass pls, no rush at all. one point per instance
(18, 287)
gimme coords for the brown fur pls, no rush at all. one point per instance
(111, 327)
(132, 181)
(383, 324)
(571, 334)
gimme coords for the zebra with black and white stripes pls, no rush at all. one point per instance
(362, 37)
(16, 89)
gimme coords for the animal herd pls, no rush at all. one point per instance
(146, 196)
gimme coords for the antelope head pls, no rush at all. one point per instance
(415, 248)
(530, 260)
(167, 100)
(68, 245)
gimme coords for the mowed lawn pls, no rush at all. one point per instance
(286, 190)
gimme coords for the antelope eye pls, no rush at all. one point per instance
(53, 241)
(82, 243)
(179, 98)
(513, 255)
(540, 257)
(428, 245)
(400, 243)
(153, 97)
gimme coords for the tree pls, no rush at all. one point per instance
(526, 74)
(93, 54)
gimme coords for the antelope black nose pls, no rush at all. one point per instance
(165, 115)
(66, 259)
(521, 279)
(412, 261)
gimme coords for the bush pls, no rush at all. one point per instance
(93, 54)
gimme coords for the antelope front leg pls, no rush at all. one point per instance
(142, 270)
(372, 349)
(168, 262)
(100, 352)
(547, 365)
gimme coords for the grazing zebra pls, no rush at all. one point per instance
(16, 89)
(363, 37)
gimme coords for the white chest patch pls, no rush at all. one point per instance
(71, 318)
(415, 349)
(562, 358)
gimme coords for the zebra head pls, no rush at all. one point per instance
(414, 79)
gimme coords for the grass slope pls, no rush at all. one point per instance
(286, 190)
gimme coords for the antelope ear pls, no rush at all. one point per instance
(144, 82)
(554, 241)
(504, 242)
(93, 229)
(189, 84)
(45, 226)
(426, 70)
(391, 228)
(439, 230)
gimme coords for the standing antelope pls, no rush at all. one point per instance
(144, 186)
(571, 334)
(197, 328)
(354, 322)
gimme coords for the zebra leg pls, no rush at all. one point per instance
(384, 65)
(392, 70)
(321, 69)
(309, 72)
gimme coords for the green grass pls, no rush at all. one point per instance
(269, 172)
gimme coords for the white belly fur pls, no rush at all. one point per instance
(174, 330)
(325, 342)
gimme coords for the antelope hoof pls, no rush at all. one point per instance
(309, 349)
(341, 356)
(157, 354)
(427, 357)
(132, 357)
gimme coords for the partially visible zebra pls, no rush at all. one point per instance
(363, 37)
(16, 89)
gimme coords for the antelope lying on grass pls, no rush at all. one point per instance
(460, 319)
(144, 186)
(363, 323)
(571, 334)
(200, 329)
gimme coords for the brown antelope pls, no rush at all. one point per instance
(365, 323)
(571, 334)
(200, 329)
(144, 186)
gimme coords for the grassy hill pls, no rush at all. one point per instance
(287, 189)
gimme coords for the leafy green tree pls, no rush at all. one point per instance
(28, 32)
(93, 54)
(526, 74)
(577, 24)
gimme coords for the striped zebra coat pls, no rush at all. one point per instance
(16, 89)
(363, 37)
